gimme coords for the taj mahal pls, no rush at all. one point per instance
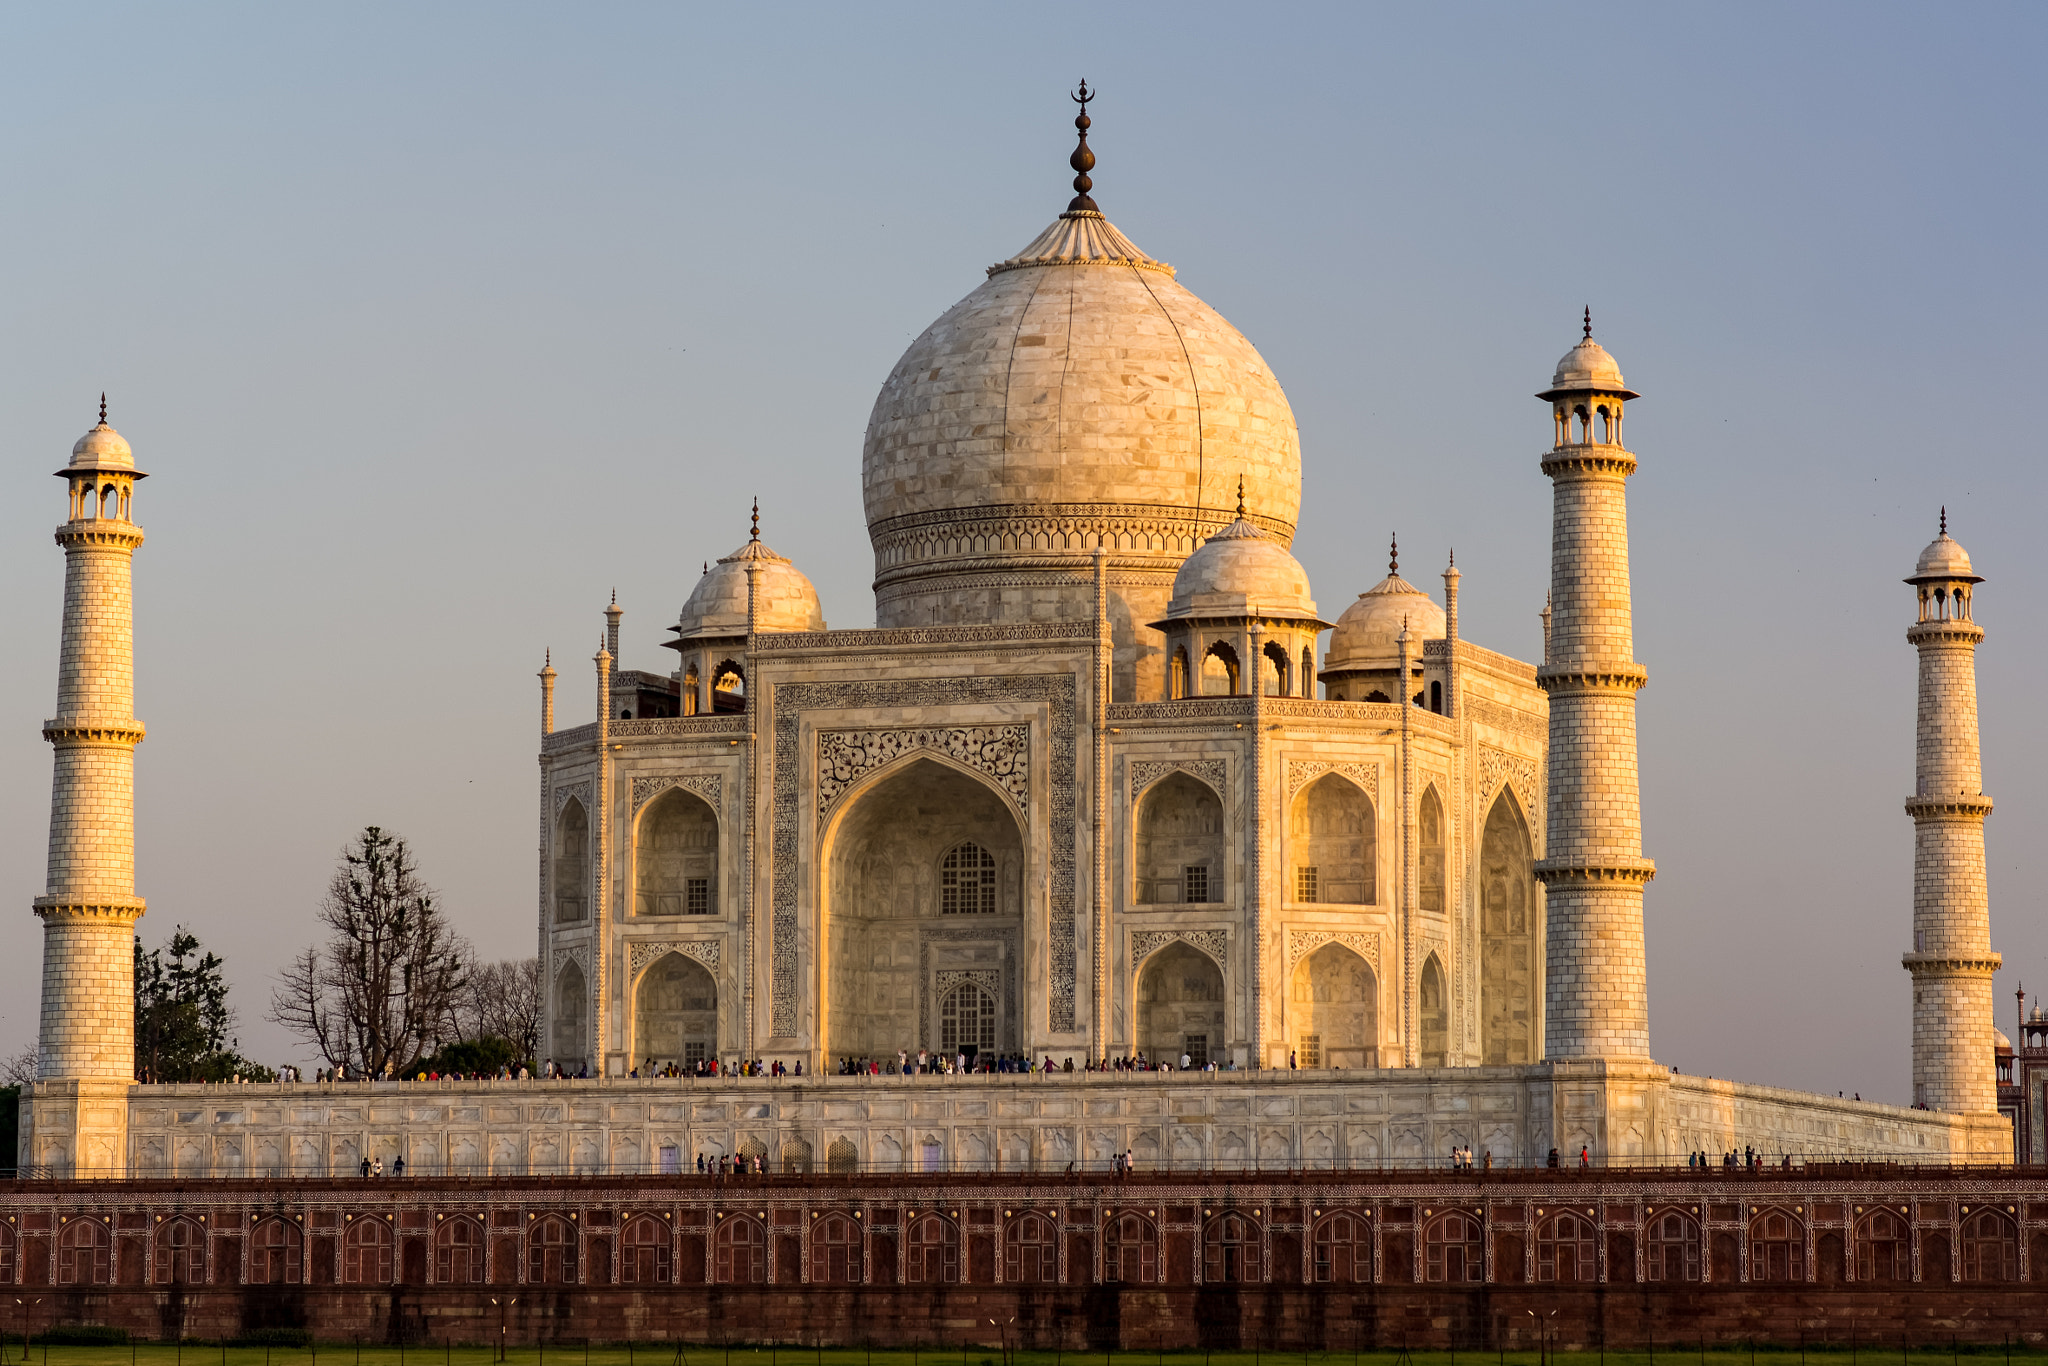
(1105, 780)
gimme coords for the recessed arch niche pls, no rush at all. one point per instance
(1334, 843)
(572, 1015)
(1335, 1008)
(1433, 1009)
(1507, 935)
(675, 856)
(890, 930)
(1180, 842)
(675, 1012)
(1180, 1004)
(572, 862)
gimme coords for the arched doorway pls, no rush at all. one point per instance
(924, 891)
(1180, 1004)
(675, 1012)
(1335, 1010)
(572, 1006)
(1507, 936)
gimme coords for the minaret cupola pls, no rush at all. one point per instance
(1586, 394)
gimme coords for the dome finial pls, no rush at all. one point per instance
(1944, 519)
(1083, 160)
(1589, 322)
(103, 407)
(1394, 557)
(1240, 498)
(755, 535)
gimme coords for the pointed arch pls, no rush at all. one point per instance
(1507, 935)
(1432, 836)
(1181, 1003)
(571, 1013)
(1180, 842)
(675, 1012)
(675, 856)
(885, 846)
(1333, 843)
(1219, 670)
(572, 863)
(1433, 1012)
(1334, 1009)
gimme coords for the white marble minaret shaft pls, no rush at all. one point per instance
(90, 909)
(1596, 1003)
(1951, 961)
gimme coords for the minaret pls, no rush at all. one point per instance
(1595, 999)
(90, 908)
(1951, 961)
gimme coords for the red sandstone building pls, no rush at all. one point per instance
(1220, 1259)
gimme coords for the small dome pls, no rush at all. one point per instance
(1241, 571)
(1368, 635)
(1587, 366)
(717, 606)
(1999, 1042)
(102, 448)
(1944, 559)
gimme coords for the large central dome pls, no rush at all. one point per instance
(1079, 396)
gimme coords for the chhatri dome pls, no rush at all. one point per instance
(102, 448)
(717, 606)
(1944, 558)
(1079, 396)
(1368, 634)
(1241, 571)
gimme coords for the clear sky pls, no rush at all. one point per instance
(435, 324)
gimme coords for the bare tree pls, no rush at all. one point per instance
(20, 1069)
(502, 1000)
(382, 992)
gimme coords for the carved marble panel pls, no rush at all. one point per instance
(847, 756)
(1215, 943)
(706, 785)
(1301, 943)
(640, 953)
(1145, 772)
(1301, 772)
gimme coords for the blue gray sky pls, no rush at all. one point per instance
(435, 324)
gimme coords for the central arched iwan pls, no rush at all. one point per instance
(924, 876)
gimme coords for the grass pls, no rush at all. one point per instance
(667, 1354)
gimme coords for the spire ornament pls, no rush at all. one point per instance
(1394, 557)
(1944, 519)
(1589, 322)
(755, 534)
(103, 407)
(1240, 498)
(1083, 160)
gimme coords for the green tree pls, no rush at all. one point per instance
(382, 992)
(183, 1022)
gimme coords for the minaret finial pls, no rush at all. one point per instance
(615, 597)
(103, 407)
(1454, 557)
(1240, 498)
(1589, 322)
(756, 534)
(1083, 160)
(1944, 519)
(1394, 557)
